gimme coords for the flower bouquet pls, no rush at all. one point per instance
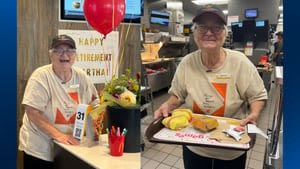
(122, 91)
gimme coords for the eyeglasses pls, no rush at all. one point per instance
(214, 28)
(61, 51)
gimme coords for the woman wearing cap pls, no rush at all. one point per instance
(215, 81)
(50, 100)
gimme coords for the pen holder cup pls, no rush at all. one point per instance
(116, 145)
(128, 118)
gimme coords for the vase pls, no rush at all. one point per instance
(128, 118)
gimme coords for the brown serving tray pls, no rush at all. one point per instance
(156, 125)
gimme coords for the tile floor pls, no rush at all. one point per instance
(165, 156)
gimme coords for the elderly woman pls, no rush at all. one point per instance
(215, 81)
(50, 99)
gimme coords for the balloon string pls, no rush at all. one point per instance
(122, 30)
(113, 24)
(106, 62)
(122, 33)
(113, 59)
(122, 53)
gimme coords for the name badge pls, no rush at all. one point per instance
(223, 76)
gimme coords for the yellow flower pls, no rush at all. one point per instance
(128, 96)
(102, 99)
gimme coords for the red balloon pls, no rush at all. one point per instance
(104, 15)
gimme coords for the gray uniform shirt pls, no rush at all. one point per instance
(221, 92)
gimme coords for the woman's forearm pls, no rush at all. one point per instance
(173, 102)
(255, 108)
(41, 122)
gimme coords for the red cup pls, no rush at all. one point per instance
(116, 145)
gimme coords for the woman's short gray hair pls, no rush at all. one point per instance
(226, 30)
(193, 27)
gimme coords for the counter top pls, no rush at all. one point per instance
(98, 156)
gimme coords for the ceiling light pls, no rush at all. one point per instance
(225, 12)
(176, 5)
(280, 20)
(280, 8)
(204, 2)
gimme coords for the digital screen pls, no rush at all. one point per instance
(133, 7)
(133, 11)
(237, 31)
(260, 23)
(249, 30)
(262, 31)
(238, 24)
(251, 13)
(73, 10)
(160, 18)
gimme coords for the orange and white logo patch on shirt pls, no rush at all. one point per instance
(61, 119)
(221, 88)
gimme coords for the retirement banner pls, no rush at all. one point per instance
(98, 57)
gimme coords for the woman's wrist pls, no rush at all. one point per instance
(252, 117)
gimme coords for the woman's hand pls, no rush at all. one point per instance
(249, 119)
(163, 110)
(66, 139)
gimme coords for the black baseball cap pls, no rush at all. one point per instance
(210, 9)
(63, 39)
